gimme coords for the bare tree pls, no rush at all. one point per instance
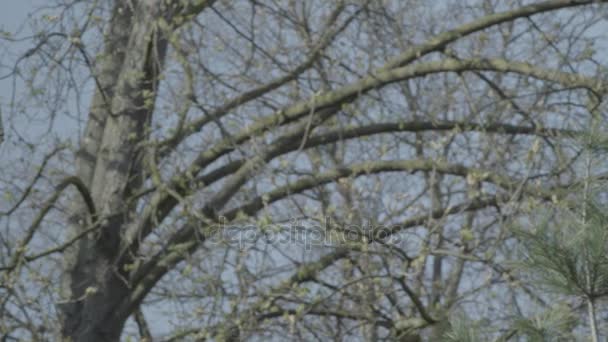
(308, 170)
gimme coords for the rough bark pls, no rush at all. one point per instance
(95, 282)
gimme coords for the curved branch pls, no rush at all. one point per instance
(440, 41)
(350, 92)
(160, 207)
(324, 105)
(340, 134)
(82, 189)
(379, 167)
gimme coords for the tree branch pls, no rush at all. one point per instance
(319, 104)
(440, 41)
(84, 192)
(167, 146)
(309, 271)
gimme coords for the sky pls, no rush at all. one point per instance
(13, 19)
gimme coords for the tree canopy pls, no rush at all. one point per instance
(304, 170)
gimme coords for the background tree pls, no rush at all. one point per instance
(306, 170)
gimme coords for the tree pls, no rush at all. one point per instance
(567, 254)
(301, 170)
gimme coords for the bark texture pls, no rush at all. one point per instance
(110, 164)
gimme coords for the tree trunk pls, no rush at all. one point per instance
(96, 282)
